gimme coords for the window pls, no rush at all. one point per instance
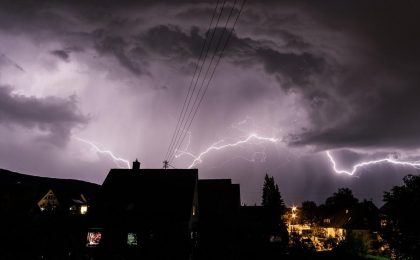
(384, 223)
(94, 238)
(132, 239)
(83, 209)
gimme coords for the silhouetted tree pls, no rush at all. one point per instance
(341, 199)
(309, 211)
(271, 196)
(403, 231)
(274, 204)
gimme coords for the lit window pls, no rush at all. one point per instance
(83, 209)
(194, 211)
(132, 239)
(384, 223)
(94, 238)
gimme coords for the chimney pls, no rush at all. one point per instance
(136, 165)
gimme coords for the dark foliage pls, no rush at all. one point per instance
(342, 199)
(271, 197)
(309, 211)
(403, 229)
(273, 202)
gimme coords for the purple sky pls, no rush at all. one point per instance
(317, 75)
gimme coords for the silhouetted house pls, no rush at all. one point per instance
(219, 203)
(254, 225)
(146, 214)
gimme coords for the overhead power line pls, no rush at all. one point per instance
(184, 123)
(200, 99)
(188, 97)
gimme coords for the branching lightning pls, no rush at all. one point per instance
(368, 163)
(218, 146)
(117, 160)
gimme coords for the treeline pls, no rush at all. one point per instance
(398, 222)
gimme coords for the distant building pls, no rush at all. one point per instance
(72, 203)
(48, 202)
(359, 220)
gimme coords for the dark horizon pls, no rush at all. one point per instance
(259, 202)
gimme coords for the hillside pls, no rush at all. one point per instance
(20, 192)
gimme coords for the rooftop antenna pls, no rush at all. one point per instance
(165, 164)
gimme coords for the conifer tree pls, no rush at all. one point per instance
(271, 197)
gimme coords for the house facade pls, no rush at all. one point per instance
(145, 214)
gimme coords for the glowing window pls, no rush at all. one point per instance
(83, 209)
(132, 239)
(94, 238)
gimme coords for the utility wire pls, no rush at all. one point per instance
(214, 69)
(185, 123)
(187, 101)
(192, 79)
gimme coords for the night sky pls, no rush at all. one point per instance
(331, 75)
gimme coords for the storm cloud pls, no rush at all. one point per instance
(319, 75)
(57, 117)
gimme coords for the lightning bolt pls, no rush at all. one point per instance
(218, 146)
(356, 167)
(117, 160)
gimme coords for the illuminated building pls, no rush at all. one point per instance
(360, 220)
(64, 201)
(48, 202)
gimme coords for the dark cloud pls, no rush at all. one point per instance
(171, 42)
(376, 94)
(130, 58)
(296, 67)
(350, 68)
(62, 54)
(57, 117)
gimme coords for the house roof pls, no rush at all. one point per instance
(151, 195)
(364, 215)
